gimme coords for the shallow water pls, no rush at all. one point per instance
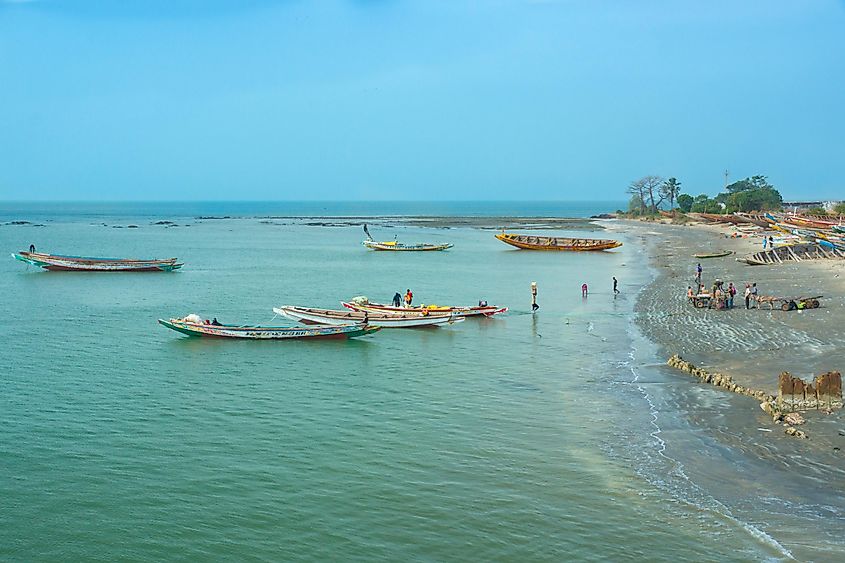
(527, 437)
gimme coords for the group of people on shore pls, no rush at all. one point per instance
(719, 296)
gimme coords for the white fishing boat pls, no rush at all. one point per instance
(310, 315)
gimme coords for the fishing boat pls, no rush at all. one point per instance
(396, 246)
(267, 332)
(425, 310)
(310, 315)
(532, 242)
(61, 263)
(792, 253)
(714, 254)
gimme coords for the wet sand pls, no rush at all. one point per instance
(752, 346)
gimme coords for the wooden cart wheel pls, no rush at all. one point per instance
(700, 303)
(785, 307)
(815, 304)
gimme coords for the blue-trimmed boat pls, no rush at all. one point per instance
(62, 263)
(267, 332)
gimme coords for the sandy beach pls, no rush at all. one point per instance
(752, 346)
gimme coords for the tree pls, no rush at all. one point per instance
(703, 204)
(685, 202)
(753, 183)
(645, 188)
(637, 203)
(839, 208)
(758, 199)
(635, 206)
(670, 190)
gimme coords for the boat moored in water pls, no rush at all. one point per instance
(400, 247)
(267, 332)
(535, 242)
(62, 263)
(396, 246)
(310, 315)
(423, 310)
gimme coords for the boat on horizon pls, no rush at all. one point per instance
(192, 328)
(312, 316)
(535, 242)
(63, 263)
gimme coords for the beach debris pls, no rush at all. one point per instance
(716, 379)
(793, 419)
(824, 392)
(792, 431)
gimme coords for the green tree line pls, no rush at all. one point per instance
(650, 193)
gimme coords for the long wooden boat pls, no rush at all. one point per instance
(792, 253)
(310, 315)
(400, 247)
(425, 310)
(61, 263)
(267, 332)
(713, 254)
(532, 242)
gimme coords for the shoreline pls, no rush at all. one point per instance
(750, 347)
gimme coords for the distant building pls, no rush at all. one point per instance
(804, 205)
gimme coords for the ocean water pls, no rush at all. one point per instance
(530, 437)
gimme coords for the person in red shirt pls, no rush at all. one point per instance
(409, 298)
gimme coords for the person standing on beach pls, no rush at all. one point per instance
(771, 242)
(765, 242)
(731, 294)
(615, 282)
(698, 271)
(690, 294)
(754, 294)
(747, 296)
(583, 290)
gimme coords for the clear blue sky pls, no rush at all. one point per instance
(251, 99)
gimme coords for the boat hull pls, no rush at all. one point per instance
(528, 242)
(455, 311)
(399, 247)
(327, 316)
(59, 263)
(268, 333)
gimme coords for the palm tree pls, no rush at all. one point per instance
(670, 190)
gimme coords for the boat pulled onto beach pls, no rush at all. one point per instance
(534, 242)
(425, 310)
(315, 316)
(62, 263)
(191, 327)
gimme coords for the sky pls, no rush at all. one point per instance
(425, 100)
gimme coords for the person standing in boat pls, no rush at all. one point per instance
(397, 299)
(409, 298)
(32, 249)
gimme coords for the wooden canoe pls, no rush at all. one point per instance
(532, 242)
(714, 254)
(267, 332)
(61, 263)
(311, 315)
(424, 310)
(400, 247)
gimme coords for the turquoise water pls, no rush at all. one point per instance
(521, 438)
